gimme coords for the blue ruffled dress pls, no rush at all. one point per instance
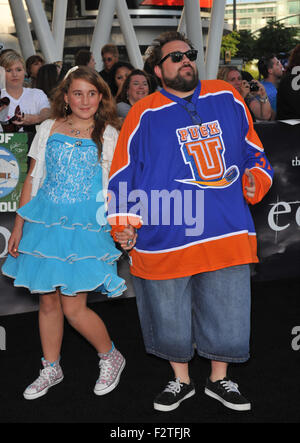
(66, 240)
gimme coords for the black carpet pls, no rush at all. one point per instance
(270, 379)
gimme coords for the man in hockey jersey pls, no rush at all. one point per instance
(187, 164)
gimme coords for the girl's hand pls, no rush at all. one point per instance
(127, 238)
(13, 242)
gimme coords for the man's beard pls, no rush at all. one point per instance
(182, 84)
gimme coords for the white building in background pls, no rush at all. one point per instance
(7, 29)
(253, 16)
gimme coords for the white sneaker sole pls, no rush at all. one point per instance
(41, 393)
(235, 407)
(113, 385)
(166, 408)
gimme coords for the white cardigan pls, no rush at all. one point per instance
(38, 149)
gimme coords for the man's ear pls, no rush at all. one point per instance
(157, 71)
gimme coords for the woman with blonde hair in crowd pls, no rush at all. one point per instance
(27, 107)
(253, 93)
(60, 246)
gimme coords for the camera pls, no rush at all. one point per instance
(253, 86)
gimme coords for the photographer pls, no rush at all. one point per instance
(253, 93)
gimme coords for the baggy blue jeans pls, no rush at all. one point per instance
(211, 310)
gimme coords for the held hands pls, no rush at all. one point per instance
(126, 238)
(250, 189)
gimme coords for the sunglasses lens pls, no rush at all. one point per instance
(191, 55)
(176, 56)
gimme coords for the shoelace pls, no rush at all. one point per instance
(173, 386)
(45, 375)
(105, 369)
(230, 386)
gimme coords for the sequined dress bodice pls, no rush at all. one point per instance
(72, 166)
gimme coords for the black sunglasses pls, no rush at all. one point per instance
(177, 56)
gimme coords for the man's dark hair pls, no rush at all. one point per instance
(155, 54)
(111, 49)
(264, 64)
(82, 57)
(294, 59)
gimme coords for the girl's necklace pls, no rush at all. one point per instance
(76, 131)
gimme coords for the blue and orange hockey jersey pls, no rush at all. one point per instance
(178, 176)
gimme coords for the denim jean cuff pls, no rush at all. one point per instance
(223, 358)
(169, 357)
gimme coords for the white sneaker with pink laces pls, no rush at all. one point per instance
(50, 375)
(111, 366)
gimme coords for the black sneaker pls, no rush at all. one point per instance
(227, 393)
(174, 393)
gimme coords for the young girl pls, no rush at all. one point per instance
(61, 245)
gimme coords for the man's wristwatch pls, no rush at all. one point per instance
(263, 100)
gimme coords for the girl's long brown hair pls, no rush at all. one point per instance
(106, 113)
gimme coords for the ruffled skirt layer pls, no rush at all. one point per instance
(65, 246)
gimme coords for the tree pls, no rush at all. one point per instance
(275, 38)
(230, 44)
(246, 46)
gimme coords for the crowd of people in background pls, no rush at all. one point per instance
(275, 96)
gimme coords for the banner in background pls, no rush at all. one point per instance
(13, 169)
(277, 216)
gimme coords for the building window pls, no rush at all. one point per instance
(292, 21)
(294, 7)
(245, 21)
